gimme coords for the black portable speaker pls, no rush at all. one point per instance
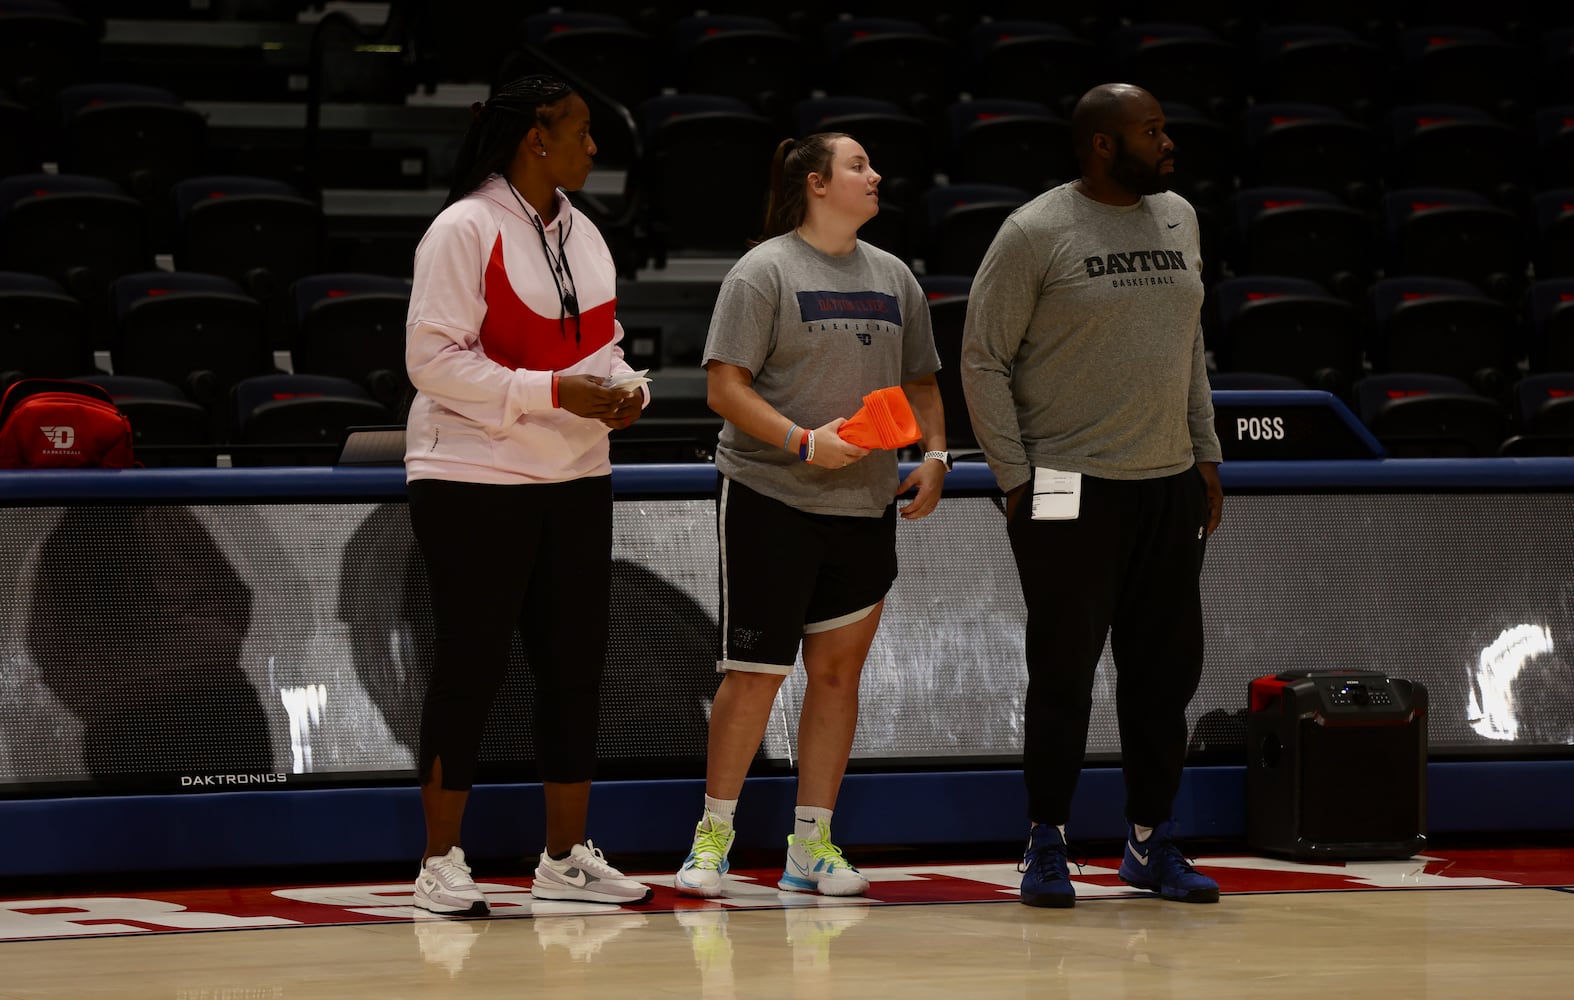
(1336, 765)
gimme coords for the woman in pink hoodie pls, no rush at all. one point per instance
(512, 346)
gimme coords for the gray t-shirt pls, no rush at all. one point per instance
(818, 333)
(1083, 345)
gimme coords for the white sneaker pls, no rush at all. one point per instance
(818, 866)
(585, 875)
(445, 886)
(702, 870)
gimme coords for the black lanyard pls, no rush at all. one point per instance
(558, 267)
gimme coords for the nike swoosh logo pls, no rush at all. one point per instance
(1142, 859)
(576, 877)
(1171, 225)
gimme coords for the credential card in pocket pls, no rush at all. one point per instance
(1057, 496)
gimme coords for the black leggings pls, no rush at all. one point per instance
(1128, 567)
(538, 557)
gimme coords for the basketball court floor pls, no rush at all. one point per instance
(1468, 923)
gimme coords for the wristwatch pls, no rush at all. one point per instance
(943, 457)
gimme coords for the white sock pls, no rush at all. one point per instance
(722, 809)
(1142, 832)
(807, 821)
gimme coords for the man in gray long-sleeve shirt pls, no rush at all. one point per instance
(1083, 367)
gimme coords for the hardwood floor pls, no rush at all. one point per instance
(1345, 945)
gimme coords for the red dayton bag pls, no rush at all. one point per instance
(55, 424)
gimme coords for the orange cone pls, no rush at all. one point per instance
(885, 421)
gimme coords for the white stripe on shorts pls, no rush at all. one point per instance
(750, 667)
(721, 542)
(831, 624)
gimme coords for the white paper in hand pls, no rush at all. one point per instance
(627, 380)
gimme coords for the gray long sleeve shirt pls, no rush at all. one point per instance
(1083, 347)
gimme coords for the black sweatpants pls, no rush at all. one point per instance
(537, 557)
(1128, 567)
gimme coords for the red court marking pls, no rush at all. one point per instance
(184, 910)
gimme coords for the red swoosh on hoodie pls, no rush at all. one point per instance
(516, 336)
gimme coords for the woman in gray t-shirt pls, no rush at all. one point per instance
(807, 323)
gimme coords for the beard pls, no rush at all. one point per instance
(1134, 175)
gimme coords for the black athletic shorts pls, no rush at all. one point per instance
(786, 573)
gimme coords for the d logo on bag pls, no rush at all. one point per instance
(60, 438)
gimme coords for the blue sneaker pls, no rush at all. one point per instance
(1159, 865)
(1046, 879)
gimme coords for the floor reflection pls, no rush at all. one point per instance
(446, 942)
(582, 938)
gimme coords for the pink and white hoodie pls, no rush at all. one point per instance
(483, 340)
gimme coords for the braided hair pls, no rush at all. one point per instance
(794, 161)
(499, 124)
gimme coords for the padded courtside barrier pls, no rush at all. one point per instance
(43, 836)
(360, 825)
